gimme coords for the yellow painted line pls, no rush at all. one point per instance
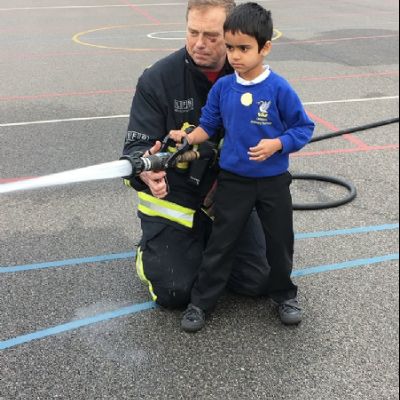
(278, 34)
(77, 38)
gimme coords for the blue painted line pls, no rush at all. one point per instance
(123, 256)
(150, 305)
(67, 263)
(346, 265)
(70, 326)
(352, 231)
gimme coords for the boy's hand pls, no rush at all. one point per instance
(265, 149)
(177, 136)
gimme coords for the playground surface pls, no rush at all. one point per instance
(76, 323)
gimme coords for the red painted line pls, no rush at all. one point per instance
(327, 124)
(116, 91)
(142, 12)
(71, 94)
(384, 147)
(318, 41)
(350, 138)
(36, 30)
(10, 30)
(31, 56)
(300, 154)
(352, 76)
(350, 14)
(41, 56)
(355, 140)
(11, 180)
(345, 151)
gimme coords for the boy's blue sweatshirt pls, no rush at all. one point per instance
(267, 110)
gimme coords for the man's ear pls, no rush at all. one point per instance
(266, 49)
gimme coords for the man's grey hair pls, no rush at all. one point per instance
(229, 5)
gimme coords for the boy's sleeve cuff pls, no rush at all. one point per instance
(208, 130)
(287, 144)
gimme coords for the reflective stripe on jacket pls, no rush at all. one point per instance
(153, 207)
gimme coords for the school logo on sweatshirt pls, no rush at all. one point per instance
(263, 110)
(263, 113)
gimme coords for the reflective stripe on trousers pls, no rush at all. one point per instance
(141, 274)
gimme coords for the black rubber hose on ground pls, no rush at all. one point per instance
(328, 204)
(336, 181)
(355, 129)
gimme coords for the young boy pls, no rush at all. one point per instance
(264, 122)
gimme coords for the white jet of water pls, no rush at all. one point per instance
(111, 170)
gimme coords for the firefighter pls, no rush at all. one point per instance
(175, 206)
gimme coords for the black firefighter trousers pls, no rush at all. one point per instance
(169, 258)
(235, 199)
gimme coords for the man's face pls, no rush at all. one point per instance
(205, 37)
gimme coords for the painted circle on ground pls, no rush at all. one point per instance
(177, 35)
(181, 35)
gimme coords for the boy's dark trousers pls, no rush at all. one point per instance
(235, 199)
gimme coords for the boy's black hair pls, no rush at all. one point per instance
(253, 20)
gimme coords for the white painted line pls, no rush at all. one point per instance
(159, 35)
(351, 100)
(56, 121)
(163, 35)
(99, 6)
(90, 7)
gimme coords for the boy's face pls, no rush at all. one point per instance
(244, 55)
(205, 37)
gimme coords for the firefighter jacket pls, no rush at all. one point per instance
(170, 94)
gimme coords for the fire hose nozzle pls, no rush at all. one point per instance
(162, 161)
(156, 162)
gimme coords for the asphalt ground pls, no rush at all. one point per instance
(75, 321)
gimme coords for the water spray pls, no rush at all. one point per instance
(109, 170)
(127, 166)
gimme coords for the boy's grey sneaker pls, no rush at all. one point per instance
(290, 312)
(193, 319)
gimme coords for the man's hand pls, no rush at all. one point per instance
(265, 149)
(155, 180)
(178, 136)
